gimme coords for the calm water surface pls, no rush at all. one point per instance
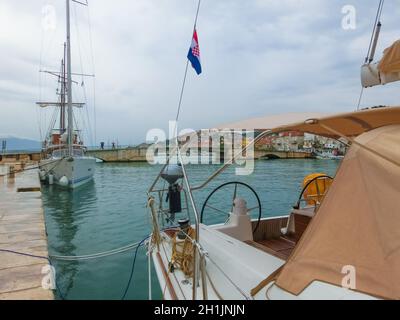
(111, 212)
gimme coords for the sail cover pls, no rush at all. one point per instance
(358, 223)
(391, 59)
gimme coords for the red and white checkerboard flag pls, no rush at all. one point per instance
(194, 53)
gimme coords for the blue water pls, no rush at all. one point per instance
(111, 212)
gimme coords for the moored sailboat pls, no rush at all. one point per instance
(64, 160)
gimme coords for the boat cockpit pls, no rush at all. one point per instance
(277, 236)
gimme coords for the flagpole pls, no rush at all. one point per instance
(197, 15)
(185, 74)
(183, 87)
(179, 157)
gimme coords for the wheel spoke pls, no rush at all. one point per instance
(216, 209)
(251, 209)
(234, 196)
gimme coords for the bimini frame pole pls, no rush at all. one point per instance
(230, 162)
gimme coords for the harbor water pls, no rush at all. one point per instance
(111, 212)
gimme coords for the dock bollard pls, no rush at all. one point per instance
(11, 171)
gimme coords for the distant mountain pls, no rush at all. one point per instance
(15, 143)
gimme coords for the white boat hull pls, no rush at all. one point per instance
(78, 170)
(234, 268)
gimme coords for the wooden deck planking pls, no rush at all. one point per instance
(22, 229)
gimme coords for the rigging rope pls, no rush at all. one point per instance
(32, 168)
(229, 279)
(37, 257)
(360, 97)
(93, 71)
(97, 255)
(92, 256)
(135, 245)
(189, 236)
(43, 48)
(377, 21)
(89, 126)
(183, 257)
(133, 267)
(38, 111)
(185, 74)
(180, 102)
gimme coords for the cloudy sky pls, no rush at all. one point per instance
(259, 57)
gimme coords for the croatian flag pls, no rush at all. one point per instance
(194, 53)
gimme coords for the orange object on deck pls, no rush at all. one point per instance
(316, 190)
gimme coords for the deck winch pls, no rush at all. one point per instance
(172, 173)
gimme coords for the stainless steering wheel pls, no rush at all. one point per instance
(236, 184)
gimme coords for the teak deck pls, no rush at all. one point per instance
(22, 229)
(283, 245)
(279, 247)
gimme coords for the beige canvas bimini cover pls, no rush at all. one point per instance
(349, 124)
(358, 223)
(391, 59)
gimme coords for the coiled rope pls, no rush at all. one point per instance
(190, 238)
(182, 252)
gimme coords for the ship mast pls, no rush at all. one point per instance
(69, 83)
(63, 93)
(65, 77)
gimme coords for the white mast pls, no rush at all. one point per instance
(69, 84)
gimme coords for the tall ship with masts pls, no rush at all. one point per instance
(64, 161)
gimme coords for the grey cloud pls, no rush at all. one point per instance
(259, 57)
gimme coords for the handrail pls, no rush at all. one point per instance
(59, 146)
(363, 146)
(217, 172)
(197, 227)
(230, 162)
(196, 253)
(170, 154)
(307, 185)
